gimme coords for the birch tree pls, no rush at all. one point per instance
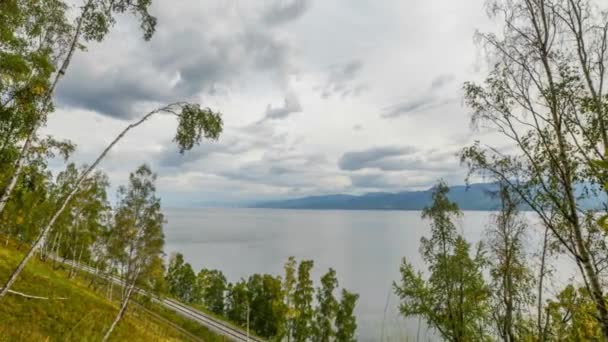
(303, 302)
(289, 284)
(327, 308)
(545, 93)
(453, 300)
(511, 279)
(138, 234)
(346, 322)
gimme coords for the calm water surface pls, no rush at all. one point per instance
(364, 247)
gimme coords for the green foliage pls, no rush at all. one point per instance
(32, 34)
(511, 278)
(213, 285)
(454, 298)
(302, 300)
(346, 323)
(86, 217)
(237, 302)
(196, 123)
(544, 94)
(289, 284)
(267, 317)
(100, 15)
(137, 233)
(572, 316)
(327, 309)
(181, 280)
(35, 194)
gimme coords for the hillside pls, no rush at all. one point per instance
(83, 315)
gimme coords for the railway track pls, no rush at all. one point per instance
(215, 325)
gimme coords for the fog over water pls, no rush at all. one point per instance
(364, 247)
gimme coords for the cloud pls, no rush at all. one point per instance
(341, 80)
(275, 69)
(428, 100)
(441, 81)
(358, 160)
(171, 157)
(283, 11)
(114, 92)
(290, 105)
(408, 107)
(183, 60)
(376, 180)
(236, 143)
(395, 158)
(294, 172)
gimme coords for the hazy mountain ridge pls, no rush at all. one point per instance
(472, 197)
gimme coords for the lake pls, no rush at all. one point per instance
(364, 247)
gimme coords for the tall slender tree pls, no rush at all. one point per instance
(346, 322)
(181, 279)
(303, 302)
(138, 234)
(454, 298)
(327, 308)
(511, 279)
(267, 309)
(289, 284)
(238, 302)
(213, 286)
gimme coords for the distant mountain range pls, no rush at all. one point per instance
(472, 197)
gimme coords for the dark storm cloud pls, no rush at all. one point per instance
(285, 10)
(429, 99)
(113, 93)
(358, 160)
(341, 80)
(179, 63)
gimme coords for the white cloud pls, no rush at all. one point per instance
(324, 71)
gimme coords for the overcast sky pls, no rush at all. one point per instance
(318, 97)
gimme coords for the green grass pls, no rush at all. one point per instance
(83, 316)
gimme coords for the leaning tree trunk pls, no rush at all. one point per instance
(43, 234)
(18, 169)
(121, 313)
(541, 277)
(56, 251)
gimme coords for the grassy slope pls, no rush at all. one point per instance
(83, 316)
